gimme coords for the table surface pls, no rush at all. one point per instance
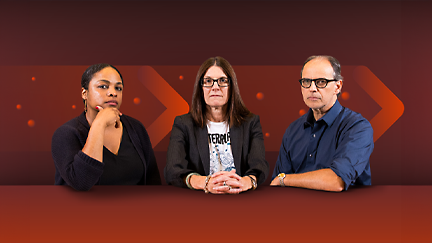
(170, 214)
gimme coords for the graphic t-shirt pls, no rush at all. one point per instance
(221, 158)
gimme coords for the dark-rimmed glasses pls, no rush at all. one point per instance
(319, 82)
(209, 82)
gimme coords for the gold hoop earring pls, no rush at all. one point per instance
(85, 105)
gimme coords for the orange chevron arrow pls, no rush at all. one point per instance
(174, 103)
(392, 107)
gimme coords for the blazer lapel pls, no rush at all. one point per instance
(236, 139)
(201, 136)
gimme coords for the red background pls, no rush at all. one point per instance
(54, 41)
(391, 38)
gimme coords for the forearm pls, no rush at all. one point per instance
(324, 179)
(95, 140)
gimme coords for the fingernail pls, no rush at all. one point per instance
(97, 108)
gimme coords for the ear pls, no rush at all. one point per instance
(338, 86)
(84, 93)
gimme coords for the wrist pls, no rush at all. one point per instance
(97, 123)
(206, 182)
(188, 180)
(282, 180)
(252, 181)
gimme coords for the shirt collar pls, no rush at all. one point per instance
(328, 118)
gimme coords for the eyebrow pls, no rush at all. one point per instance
(107, 81)
(219, 77)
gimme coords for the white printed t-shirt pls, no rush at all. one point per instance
(221, 158)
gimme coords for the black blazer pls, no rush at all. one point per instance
(188, 150)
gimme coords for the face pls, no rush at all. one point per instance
(105, 89)
(320, 99)
(215, 96)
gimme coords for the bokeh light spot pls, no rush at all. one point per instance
(260, 96)
(302, 112)
(33, 79)
(267, 134)
(345, 95)
(181, 77)
(31, 123)
(18, 107)
(74, 107)
(137, 101)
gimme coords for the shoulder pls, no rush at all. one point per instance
(185, 120)
(350, 118)
(75, 125)
(251, 119)
(72, 130)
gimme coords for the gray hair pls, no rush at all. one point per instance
(333, 61)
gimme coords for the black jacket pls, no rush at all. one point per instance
(188, 150)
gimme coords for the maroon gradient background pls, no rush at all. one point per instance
(54, 41)
(391, 38)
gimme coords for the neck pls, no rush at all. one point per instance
(320, 112)
(216, 114)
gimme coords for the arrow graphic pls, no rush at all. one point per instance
(174, 103)
(392, 107)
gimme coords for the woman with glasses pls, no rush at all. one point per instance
(218, 146)
(102, 146)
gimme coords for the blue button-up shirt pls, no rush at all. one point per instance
(341, 140)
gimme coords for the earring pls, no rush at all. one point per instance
(85, 105)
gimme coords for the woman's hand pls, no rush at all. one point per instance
(224, 182)
(95, 139)
(108, 116)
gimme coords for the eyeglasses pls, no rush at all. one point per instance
(319, 82)
(209, 82)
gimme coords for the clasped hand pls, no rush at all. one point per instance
(224, 182)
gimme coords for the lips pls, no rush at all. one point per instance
(112, 102)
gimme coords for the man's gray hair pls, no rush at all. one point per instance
(333, 61)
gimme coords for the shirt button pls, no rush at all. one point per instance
(313, 135)
(310, 155)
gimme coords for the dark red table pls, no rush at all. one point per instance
(170, 214)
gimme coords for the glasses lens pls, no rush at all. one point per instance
(321, 83)
(305, 82)
(207, 82)
(223, 82)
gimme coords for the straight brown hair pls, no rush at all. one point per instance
(236, 109)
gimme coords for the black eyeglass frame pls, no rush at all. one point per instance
(216, 81)
(314, 80)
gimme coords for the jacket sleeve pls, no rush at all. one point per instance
(256, 162)
(177, 163)
(76, 168)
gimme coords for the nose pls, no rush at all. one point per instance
(313, 87)
(215, 86)
(112, 92)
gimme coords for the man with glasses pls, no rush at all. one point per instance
(328, 148)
